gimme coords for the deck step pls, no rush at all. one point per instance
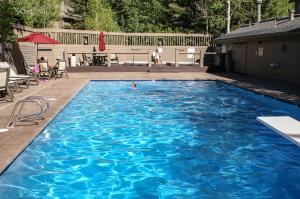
(284, 125)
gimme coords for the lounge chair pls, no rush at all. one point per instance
(21, 79)
(5, 88)
(61, 68)
(45, 70)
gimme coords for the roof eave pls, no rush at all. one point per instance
(221, 40)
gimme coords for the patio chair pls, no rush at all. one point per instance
(114, 59)
(13, 77)
(5, 88)
(31, 74)
(191, 55)
(85, 61)
(22, 79)
(45, 70)
(61, 68)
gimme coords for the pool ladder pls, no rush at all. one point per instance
(16, 115)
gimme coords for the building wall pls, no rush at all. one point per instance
(273, 57)
(240, 58)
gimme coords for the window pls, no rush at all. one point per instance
(260, 51)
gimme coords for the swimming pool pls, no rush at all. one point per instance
(164, 139)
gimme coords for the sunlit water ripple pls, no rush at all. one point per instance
(164, 139)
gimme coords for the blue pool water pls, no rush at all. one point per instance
(165, 139)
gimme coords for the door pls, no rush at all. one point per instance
(239, 58)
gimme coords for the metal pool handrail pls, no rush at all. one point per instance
(16, 115)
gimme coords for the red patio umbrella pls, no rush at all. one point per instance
(38, 38)
(101, 42)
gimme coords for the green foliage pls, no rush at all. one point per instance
(217, 16)
(189, 15)
(243, 12)
(40, 13)
(34, 13)
(9, 15)
(177, 13)
(126, 14)
(99, 16)
(136, 15)
(77, 11)
(276, 8)
(139, 16)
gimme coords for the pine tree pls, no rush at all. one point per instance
(243, 12)
(126, 14)
(76, 13)
(139, 16)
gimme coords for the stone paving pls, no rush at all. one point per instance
(61, 91)
(288, 92)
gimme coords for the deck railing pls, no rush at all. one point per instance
(82, 37)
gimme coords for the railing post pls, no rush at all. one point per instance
(66, 57)
(149, 58)
(176, 58)
(108, 58)
(201, 60)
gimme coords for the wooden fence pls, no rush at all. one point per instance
(82, 37)
(175, 45)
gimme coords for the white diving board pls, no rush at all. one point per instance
(286, 126)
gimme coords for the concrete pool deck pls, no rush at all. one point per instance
(60, 92)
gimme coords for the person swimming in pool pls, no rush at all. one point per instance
(133, 85)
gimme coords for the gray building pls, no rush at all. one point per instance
(268, 49)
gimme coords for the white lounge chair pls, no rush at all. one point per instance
(5, 88)
(21, 79)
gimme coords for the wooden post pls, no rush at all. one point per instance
(65, 57)
(201, 60)
(108, 58)
(149, 58)
(176, 58)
